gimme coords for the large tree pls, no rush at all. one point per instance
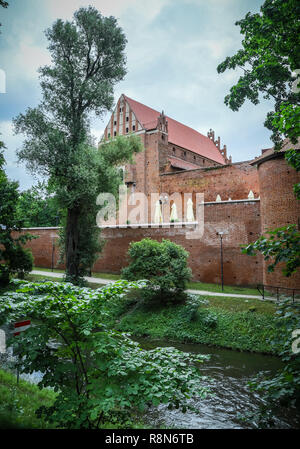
(88, 59)
(270, 64)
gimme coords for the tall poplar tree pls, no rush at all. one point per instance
(88, 59)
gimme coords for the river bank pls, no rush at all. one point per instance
(243, 325)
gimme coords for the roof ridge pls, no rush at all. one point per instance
(179, 133)
(174, 120)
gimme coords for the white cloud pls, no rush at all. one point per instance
(174, 47)
(29, 57)
(65, 9)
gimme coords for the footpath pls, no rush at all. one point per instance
(94, 280)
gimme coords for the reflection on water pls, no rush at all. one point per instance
(231, 371)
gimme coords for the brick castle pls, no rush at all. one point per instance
(244, 199)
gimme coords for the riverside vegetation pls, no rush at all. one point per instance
(83, 333)
(100, 316)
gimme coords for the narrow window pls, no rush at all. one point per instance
(127, 130)
(133, 127)
(115, 122)
(115, 133)
(127, 119)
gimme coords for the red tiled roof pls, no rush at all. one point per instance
(178, 163)
(179, 134)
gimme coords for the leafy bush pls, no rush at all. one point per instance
(163, 264)
(4, 275)
(20, 261)
(191, 309)
(284, 388)
(16, 258)
(98, 373)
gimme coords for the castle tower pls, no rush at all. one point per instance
(278, 205)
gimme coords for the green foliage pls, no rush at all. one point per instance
(37, 207)
(163, 264)
(88, 59)
(224, 322)
(98, 373)
(268, 58)
(283, 245)
(282, 390)
(17, 260)
(191, 309)
(18, 403)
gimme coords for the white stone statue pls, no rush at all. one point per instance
(157, 213)
(218, 199)
(251, 195)
(189, 211)
(173, 216)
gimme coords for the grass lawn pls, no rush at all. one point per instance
(227, 288)
(241, 305)
(18, 403)
(191, 285)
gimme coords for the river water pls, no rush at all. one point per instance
(231, 371)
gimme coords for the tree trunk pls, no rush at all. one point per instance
(72, 242)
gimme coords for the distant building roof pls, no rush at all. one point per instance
(178, 134)
(270, 153)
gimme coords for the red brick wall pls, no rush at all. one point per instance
(234, 181)
(43, 246)
(242, 220)
(279, 207)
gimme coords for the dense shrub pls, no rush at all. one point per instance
(20, 261)
(163, 264)
(17, 260)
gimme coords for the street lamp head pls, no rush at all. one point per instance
(220, 233)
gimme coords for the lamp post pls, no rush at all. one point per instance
(221, 234)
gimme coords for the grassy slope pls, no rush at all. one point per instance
(18, 403)
(244, 325)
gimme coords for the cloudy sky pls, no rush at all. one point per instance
(174, 47)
